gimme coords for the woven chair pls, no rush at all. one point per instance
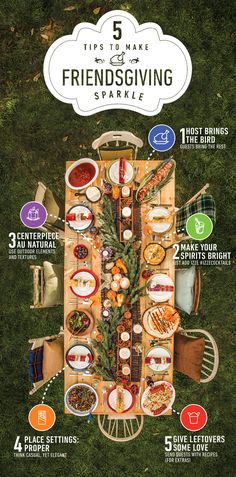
(37, 342)
(55, 209)
(114, 144)
(120, 429)
(210, 362)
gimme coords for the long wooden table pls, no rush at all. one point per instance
(165, 198)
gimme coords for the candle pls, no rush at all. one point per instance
(126, 212)
(127, 234)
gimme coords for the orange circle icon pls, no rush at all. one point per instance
(42, 417)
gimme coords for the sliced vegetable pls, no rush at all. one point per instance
(154, 181)
(120, 264)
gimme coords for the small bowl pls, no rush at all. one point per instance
(75, 164)
(87, 331)
(85, 247)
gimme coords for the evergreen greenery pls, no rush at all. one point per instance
(106, 347)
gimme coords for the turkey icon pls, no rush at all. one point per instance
(161, 137)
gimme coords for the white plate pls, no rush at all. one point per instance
(159, 227)
(147, 322)
(128, 399)
(170, 404)
(160, 279)
(74, 411)
(80, 225)
(113, 173)
(79, 350)
(158, 352)
(87, 289)
(75, 164)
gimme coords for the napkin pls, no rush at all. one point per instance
(157, 360)
(80, 357)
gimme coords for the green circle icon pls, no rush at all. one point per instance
(199, 226)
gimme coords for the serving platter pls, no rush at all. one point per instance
(150, 394)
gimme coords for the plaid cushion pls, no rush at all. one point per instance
(204, 204)
(36, 364)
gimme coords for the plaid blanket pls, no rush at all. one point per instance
(204, 204)
(36, 364)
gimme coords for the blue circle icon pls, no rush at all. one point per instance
(161, 137)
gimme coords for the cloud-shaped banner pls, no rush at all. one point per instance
(117, 64)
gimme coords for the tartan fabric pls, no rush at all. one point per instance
(36, 364)
(204, 204)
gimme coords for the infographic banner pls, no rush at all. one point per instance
(118, 234)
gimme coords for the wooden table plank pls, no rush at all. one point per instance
(167, 198)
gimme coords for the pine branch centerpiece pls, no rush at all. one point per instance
(125, 258)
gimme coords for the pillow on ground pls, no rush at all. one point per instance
(53, 357)
(188, 355)
(36, 364)
(184, 289)
(53, 284)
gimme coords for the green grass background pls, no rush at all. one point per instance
(32, 127)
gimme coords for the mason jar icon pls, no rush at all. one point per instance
(193, 417)
(199, 226)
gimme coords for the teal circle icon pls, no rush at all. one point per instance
(199, 226)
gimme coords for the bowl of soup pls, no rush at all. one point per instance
(81, 174)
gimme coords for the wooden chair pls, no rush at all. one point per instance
(38, 286)
(210, 362)
(49, 226)
(120, 429)
(114, 144)
(37, 342)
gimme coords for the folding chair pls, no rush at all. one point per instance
(36, 343)
(200, 202)
(114, 144)
(55, 208)
(120, 429)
